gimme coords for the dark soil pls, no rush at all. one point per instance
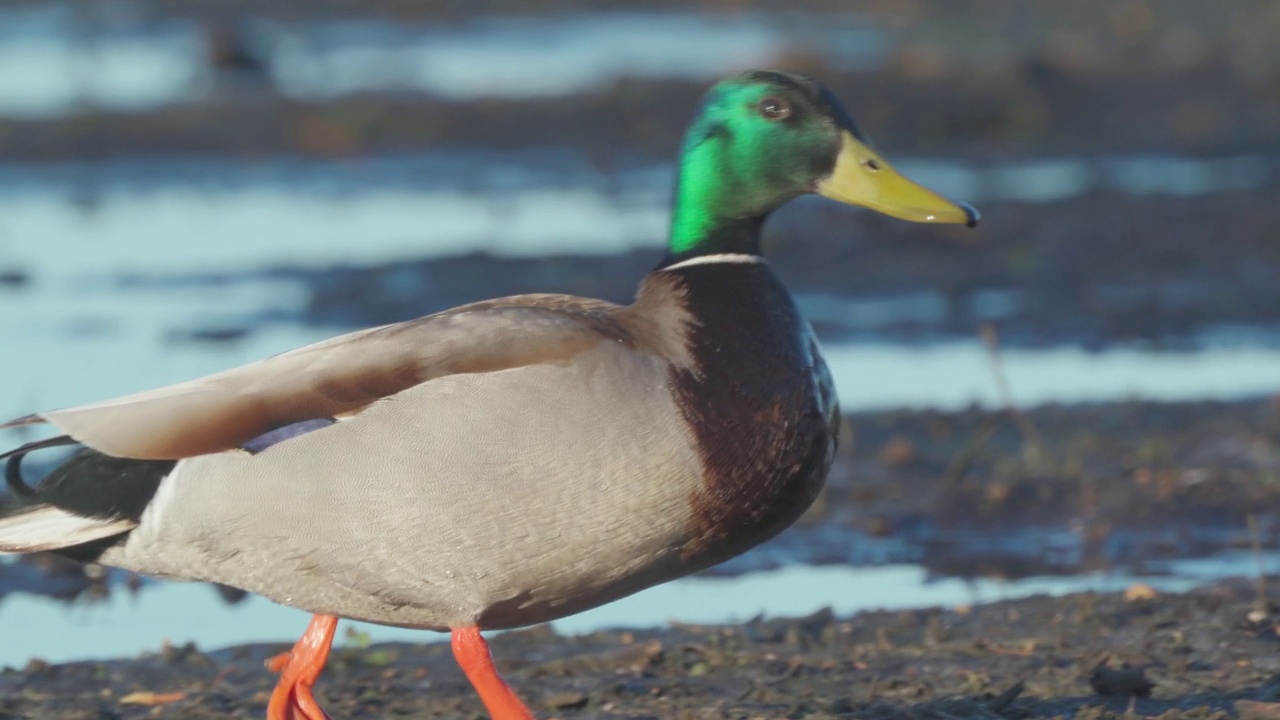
(1053, 490)
(1207, 654)
(980, 493)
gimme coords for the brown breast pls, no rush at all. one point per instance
(758, 400)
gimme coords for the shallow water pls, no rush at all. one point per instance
(954, 375)
(62, 69)
(74, 231)
(181, 612)
(57, 60)
(207, 216)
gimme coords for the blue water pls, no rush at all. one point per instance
(58, 60)
(177, 613)
(159, 216)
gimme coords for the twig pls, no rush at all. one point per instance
(1030, 436)
(1003, 700)
(964, 461)
(1255, 537)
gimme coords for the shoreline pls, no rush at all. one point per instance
(1202, 654)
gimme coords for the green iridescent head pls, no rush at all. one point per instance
(765, 137)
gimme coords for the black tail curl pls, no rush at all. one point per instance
(13, 464)
(92, 485)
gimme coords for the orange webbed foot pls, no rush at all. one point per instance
(299, 668)
(472, 654)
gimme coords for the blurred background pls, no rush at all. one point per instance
(1082, 393)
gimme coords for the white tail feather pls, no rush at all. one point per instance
(48, 528)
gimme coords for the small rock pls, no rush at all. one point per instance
(567, 701)
(841, 706)
(174, 654)
(635, 657)
(152, 698)
(1140, 591)
(897, 451)
(1254, 710)
(1123, 682)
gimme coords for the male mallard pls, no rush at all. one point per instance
(508, 462)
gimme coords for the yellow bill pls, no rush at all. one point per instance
(862, 177)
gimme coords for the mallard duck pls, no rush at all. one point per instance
(508, 462)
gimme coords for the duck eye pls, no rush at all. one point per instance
(774, 108)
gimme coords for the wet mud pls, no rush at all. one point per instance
(1049, 490)
(1210, 653)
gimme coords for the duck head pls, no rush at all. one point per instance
(765, 137)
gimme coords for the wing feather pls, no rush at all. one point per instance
(337, 377)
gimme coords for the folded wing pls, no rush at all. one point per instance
(337, 377)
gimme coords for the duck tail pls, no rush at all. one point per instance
(88, 499)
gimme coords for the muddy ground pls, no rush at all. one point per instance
(1210, 653)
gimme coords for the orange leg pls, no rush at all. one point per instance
(472, 654)
(299, 668)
